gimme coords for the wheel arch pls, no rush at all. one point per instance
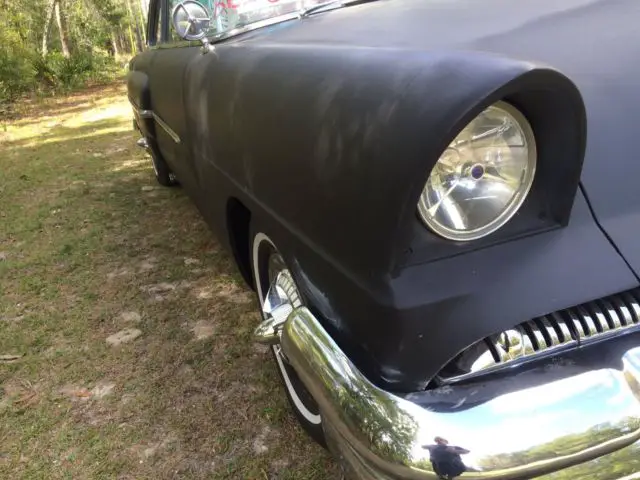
(238, 225)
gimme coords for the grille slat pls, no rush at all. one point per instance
(550, 333)
(530, 336)
(633, 305)
(562, 329)
(589, 325)
(568, 334)
(616, 314)
(578, 326)
(603, 317)
(491, 345)
(610, 316)
(565, 322)
(539, 333)
(623, 312)
(561, 335)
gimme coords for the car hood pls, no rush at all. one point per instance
(595, 43)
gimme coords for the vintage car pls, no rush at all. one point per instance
(438, 206)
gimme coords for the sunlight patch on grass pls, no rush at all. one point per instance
(100, 110)
(116, 110)
(129, 164)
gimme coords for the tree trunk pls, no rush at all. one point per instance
(135, 26)
(121, 41)
(114, 44)
(47, 26)
(139, 38)
(132, 42)
(61, 21)
(142, 25)
(144, 8)
(124, 42)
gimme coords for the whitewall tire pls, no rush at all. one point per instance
(265, 262)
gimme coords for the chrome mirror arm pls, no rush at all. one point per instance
(206, 45)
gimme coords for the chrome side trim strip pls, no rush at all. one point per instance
(521, 427)
(139, 112)
(166, 128)
(151, 114)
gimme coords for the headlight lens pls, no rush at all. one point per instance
(482, 178)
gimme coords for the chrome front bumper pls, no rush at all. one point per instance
(560, 422)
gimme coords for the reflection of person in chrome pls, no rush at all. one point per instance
(445, 459)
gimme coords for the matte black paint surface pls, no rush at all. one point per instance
(326, 129)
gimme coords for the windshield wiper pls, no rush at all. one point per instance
(337, 3)
(321, 6)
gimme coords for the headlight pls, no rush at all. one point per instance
(482, 178)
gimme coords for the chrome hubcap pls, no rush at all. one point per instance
(282, 296)
(281, 299)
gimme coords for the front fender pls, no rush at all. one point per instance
(330, 147)
(337, 143)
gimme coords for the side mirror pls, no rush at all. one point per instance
(190, 20)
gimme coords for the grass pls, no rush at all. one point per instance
(90, 246)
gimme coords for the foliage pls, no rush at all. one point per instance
(629, 461)
(56, 45)
(17, 70)
(66, 73)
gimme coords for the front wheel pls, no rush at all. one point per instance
(272, 277)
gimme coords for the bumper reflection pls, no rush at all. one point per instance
(564, 423)
(446, 459)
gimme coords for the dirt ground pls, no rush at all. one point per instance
(125, 331)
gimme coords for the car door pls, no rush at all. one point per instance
(166, 85)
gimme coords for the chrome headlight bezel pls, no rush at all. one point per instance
(516, 201)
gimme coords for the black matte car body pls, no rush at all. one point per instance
(325, 129)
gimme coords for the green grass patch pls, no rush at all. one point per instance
(85, 252)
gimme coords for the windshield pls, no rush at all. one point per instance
(226, 15)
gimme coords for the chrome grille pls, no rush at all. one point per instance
(564, 329)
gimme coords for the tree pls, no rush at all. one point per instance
(47, 26)
(135, 25)
(90, 33)
(61, 21)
